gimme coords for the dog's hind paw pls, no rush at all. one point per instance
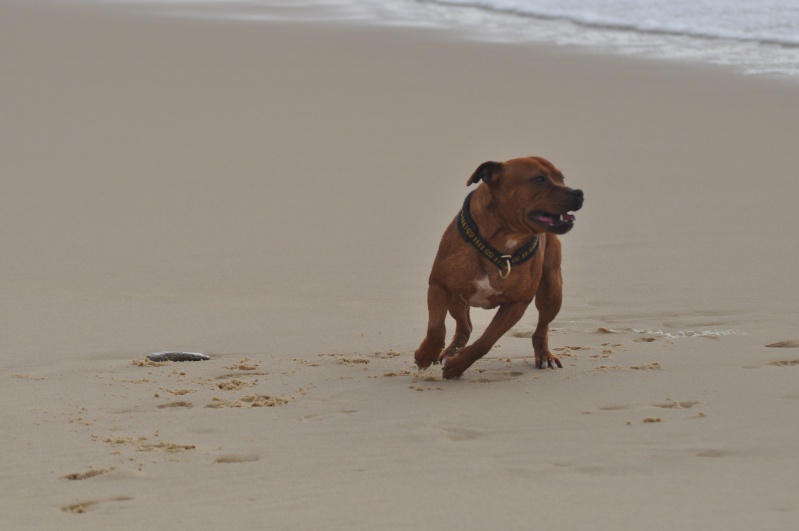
(447, 353)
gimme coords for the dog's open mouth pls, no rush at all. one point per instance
(557, 223)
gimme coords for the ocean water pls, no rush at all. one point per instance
(764, 21)
(755, 37)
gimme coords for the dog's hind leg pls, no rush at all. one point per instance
(433, 343)
(548, 299)
(459, 311)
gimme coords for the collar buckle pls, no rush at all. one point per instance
(507, 258)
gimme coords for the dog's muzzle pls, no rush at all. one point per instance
(563, 222)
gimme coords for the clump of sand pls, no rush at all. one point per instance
(149, 363)
(235, 385)
(142, 444)
(254, 400)
(243, 364)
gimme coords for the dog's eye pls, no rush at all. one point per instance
(539, 179)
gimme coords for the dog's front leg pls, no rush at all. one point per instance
(433, 343)
(507, 316)
(548, 299)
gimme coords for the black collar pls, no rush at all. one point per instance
(468, 229)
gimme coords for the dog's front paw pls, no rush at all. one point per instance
(426, 356)
(454, 366)
(450, 370)
(548, 359)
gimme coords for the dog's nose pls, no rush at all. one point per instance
(577, 199)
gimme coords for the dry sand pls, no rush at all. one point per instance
(273, 195)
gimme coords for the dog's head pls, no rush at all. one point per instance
(529, 194)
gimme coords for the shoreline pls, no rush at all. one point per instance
(273, 195)
(750, 58)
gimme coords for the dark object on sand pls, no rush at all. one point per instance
(177, 356)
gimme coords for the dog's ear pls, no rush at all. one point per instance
(485, 172)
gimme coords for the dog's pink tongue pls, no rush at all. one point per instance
(569, 217)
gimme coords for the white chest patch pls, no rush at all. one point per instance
(484, 292)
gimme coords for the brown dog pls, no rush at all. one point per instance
(500, 251)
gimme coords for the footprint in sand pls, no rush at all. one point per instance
(326, 416)
(778, 363)
(677, 405)
(235, 458)
(783, 363)
(614, 408)
(84, 506)
(92, 472)
(495, 377)
(791, 343)
(390, 354)
(353, 361)
(527, 333)
(654, 366)
(178, 392)
(176, 405)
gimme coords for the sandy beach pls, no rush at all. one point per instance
(273, 194)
